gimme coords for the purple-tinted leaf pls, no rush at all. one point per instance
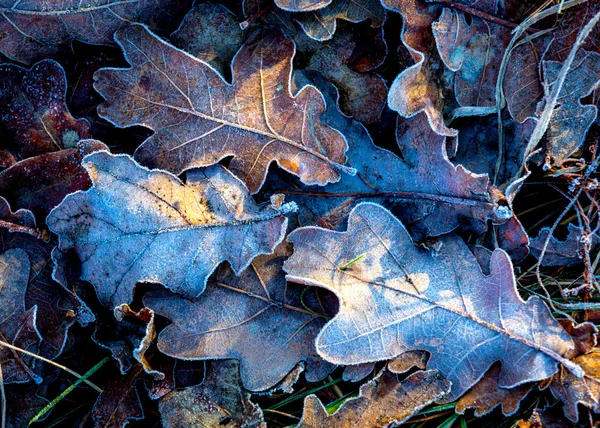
(235, 313)
(432, 196)
(17, 326)
(35, 29)
(318, 24)
(40, 183)
(358, 372)
(33, 111)
(398, 298)
(140, 225)
(567, 252)
(199, 119)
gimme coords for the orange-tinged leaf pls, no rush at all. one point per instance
(199, 119)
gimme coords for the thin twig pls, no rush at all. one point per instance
(480, 14)
(60, 366)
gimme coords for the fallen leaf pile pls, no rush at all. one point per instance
(310, 213)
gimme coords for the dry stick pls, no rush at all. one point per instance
(60, 366)
(544, 121)
(480, 14)
(245, 24)
(3, 398)
(500, 101)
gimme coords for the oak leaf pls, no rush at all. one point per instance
(573, 391)
(432, 195)
(33, 111)
(41, 182)
(211, 33)
(199, 119)
(362, 94)
(571, 119)
(38, 29)
(382, 402)
(420, 87)
(474, 52)
(486, 395)
(398, 297)
(17, 325)
(235, 313)
(219, 401)
(321, 24)
(567, 252)
(139, 225)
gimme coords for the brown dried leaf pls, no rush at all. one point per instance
(17, 325)
(559, 252)
(212, 34)
(33, 111)
(32, 30)
(383, 401)
(199, 119)
(573, 391)
(119, 401)
(486, 395)
(399, 297)
(219, 402)
(407, 360)
(140, 225)
(571, 119)
(318, 24)
(421, 87)
(146, 317)
(40, 183)
(362, 95)
(474, 52)
(235, 313)
(358, 372)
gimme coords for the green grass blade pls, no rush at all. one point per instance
(78, 382)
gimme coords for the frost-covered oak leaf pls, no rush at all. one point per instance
(398, 297)
(139, 225)
(199, 118)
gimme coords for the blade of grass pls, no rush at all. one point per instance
(449, 422)
(440, 408)
(78, 382)
(67, 415)
(334, 405)
(60, 366)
